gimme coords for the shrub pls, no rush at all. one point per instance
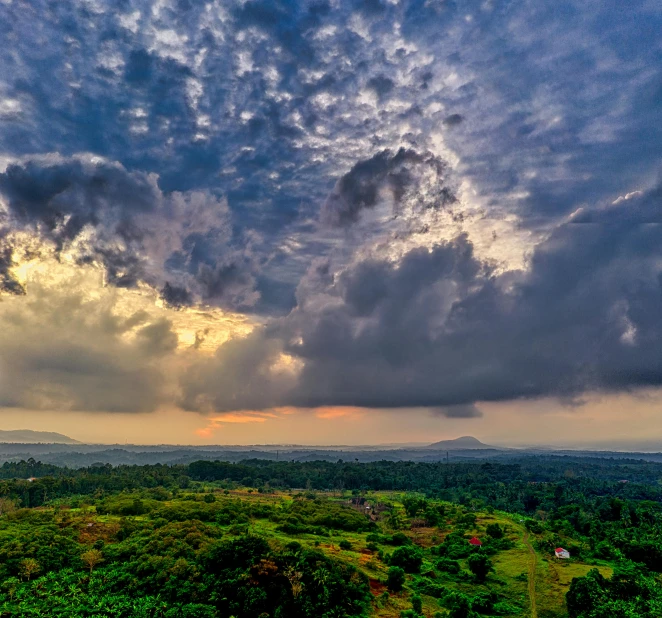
(398, 539)
(396, 579)
(480, 565)
(446, 565)
(409, 558)
(459, 605)
(483, 602)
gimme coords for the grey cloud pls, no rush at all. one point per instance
(360, 188)
(175, 297)
(60, 350)
(180, 243)
(441, 329)
(458, 411)
(229, 284)
(382, 85)
(453, 120)
(64, 195)
(239, 377)
(8, 282)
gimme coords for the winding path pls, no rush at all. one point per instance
(532, 574)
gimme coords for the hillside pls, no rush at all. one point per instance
(464, 442)
(27, 436)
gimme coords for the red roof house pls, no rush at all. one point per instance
(475, 541)
(559, 552)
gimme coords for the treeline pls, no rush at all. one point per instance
(527, 486)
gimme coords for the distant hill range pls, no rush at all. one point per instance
(463, 443)
(27, 436)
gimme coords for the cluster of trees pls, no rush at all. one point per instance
(631, 592)
(159, 568)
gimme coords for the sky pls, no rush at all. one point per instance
(331, 222)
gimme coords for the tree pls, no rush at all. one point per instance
(459, 605)
(6, 506)
(28, 567)
(495, 531)
(480, 565)
(91, 558)
(396, 579)
(414, 505)
(394, 520)
(417, 604)
(409, 558)
(10, 585)
(585, 593)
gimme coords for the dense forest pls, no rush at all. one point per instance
(263, 538)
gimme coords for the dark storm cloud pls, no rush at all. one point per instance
(399, 172)
(8, 282)
(123, 221)
(458, 411)
(453, 120)
(174, 296)
(68, 194)
(441, 329)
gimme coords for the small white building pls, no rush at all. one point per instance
(564, 554)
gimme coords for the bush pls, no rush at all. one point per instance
(408, 558)
(345, 544)
(480, 565)
(533, 526)
(495, 531)
(459, 605)
(483, 602)
(396, 579)
(398, 539)
(446, 565)
(430, 588)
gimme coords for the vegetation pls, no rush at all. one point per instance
(275, 539)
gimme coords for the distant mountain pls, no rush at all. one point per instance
(463, 443)
(27, 436)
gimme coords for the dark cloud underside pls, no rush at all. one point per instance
(339, 172)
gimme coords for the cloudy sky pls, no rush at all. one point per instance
(331, 222)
